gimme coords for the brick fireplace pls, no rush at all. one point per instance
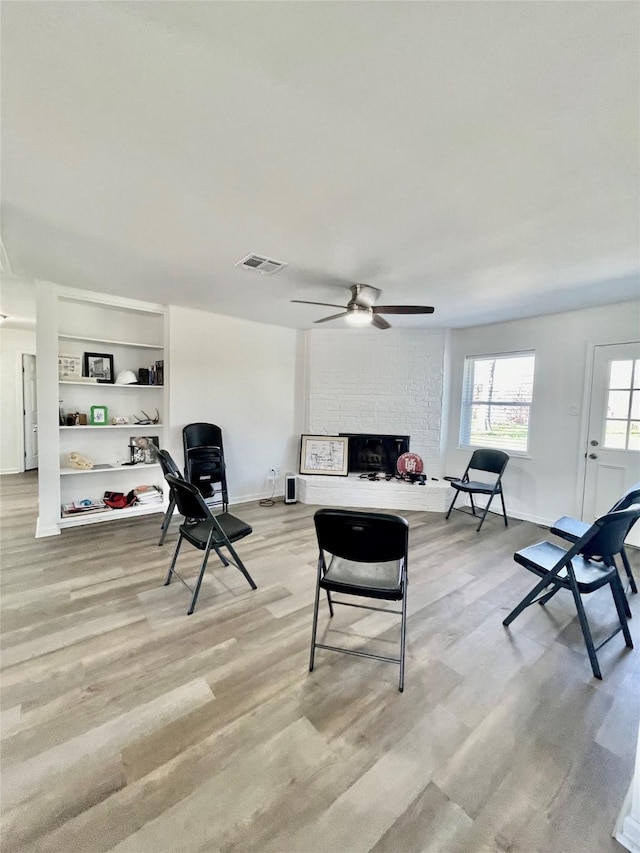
(383, 383)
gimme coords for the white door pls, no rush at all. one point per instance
(30, 411)
(613, 441)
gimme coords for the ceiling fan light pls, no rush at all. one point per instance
(359, 316)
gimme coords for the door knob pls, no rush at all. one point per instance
(593, 456)
(594, 443)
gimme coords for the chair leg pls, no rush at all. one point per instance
(403, 637)
(586, 633)
(239, 565)
(196, 590)
(504, 510)
(173, 561)
(330, 603)
(473, 506)
(223, 559)
(627, 568)
(549, 595)
(315, 626)
(620, 601)
(526, 601)
(484, 514)
(166, 521)
(455, 497)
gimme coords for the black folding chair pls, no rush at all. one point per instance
(486, 461)
(204, 462)
(206, 532)
(168, 466)
(362, 554)
(582, 569)
(571, 529)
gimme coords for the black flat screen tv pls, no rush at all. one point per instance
(372, 452)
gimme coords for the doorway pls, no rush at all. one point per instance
(613, 437)
(29, 411)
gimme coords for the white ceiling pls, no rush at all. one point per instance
(481, 157)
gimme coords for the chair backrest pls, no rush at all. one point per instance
(201, 435)
(631, 496)
(364, 537)
(488, 459)
(188, 499)
(606, 535)
(168, 464)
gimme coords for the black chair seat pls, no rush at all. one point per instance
(197, 532)
(569, 528)
(543, 557)
(374, 580)
(475, 486)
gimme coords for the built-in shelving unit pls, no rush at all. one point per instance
(134, 334)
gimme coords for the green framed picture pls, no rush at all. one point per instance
(98, 416)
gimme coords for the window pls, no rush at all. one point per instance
(622, 431)
(496, 401)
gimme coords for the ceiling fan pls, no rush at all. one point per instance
(361, 310)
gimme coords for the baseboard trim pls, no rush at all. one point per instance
(629, 834)
(42, 530)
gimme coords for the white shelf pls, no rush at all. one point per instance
(101, 341)
(112, 426)
(66, 472)
(110, 385)
(111, 515)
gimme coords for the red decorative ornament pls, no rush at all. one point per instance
(410, 463)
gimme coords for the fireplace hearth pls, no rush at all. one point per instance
(371, 452)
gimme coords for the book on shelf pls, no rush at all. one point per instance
(85, 506)
(152, 375)
(148, 495)
(89, 503)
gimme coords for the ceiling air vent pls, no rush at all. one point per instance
(258, 263)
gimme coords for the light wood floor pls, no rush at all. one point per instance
(129, 726)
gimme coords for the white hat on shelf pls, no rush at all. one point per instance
(126, 377)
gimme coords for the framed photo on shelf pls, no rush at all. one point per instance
(98, 366)
(324, 454)
(144, 448)
(98, 416)
(69, 366)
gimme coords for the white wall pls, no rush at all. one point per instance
(547, 484)
(13, 342)
(244, 377)
(367, 380)
(17, 335)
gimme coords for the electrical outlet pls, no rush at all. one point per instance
(271, 475)
(277, 472)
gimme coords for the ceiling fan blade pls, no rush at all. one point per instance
(327, 304)
(332, 317)
(403, 309)
(379, 322)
